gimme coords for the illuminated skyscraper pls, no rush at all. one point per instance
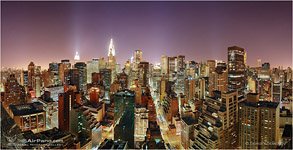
(276, 91)
(259, 123)
(14, 92)
(180, 63)
(111, 64)
(217, 128)
(38, 86)
(221, 77)
(111, 49)
(138, 56)
(143, 71)
(211, 74)
(106, 77)
(54, 73)
(230, 101)
(164, 65)
(236, 69)
(81, 67)
(64, 67)
(124, 116)
(31, 75)
(92, 66)
(172, 62)
(66, 101)
(189, 89)
(76, 57)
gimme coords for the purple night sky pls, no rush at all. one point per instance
(44, 32)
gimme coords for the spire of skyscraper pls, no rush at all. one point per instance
(111, 48)
(76, 57)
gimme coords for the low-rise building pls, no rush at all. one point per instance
(29, 116)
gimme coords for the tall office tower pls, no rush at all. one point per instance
(181, 63)
(123, 80)
(14, 92)
(212, 82)
(141, 125)
(80, 123)
(164, 65)
(111, 64)
(74, 78)
(65, 103)
(156, 77)
(258, 123)
(107, 80)
(124, 117)
(172, 63)
(25, 78)
(212, 65)
(92, 66)
(138, 56)
(276, 91)
(127, 67)
(21, 78)
(54, 73)
(221, 77)
(38, 86)
(236, 69)
(217, 128)
(189, 90)
(136, 87)
(230, 101)
(209, 132)
(102, 63)
(63, 111)
(171, 106)
(31, 75)
(190, 72)
(187, 132)
(81, 67)
(143, 73)
(288, 74)
(54, 68)
(38, 71)
(180, 82)
(251, 82)
(264, 85)
(203, 70)
(46, 80)
(64, 67)
(200, 88)
(135, 60)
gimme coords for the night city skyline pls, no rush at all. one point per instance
(146, 75)
(45, 32)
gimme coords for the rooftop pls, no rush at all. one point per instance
(110, 144)
(26, 109)
(266, 104)
(189, 120)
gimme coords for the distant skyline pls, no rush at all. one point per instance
(45, 32)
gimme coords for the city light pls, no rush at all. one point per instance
(220, 85)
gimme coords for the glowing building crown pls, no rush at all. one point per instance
(76, 57)
(111, 48)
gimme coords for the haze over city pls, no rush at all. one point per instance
(44, 32)
(146, 75)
